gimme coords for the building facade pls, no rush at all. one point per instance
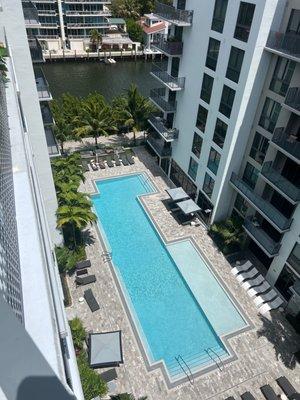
(228, 131)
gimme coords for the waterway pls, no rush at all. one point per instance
(83, 77)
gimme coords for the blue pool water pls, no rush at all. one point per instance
(166, 309)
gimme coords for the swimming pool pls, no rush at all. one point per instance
(178, 305)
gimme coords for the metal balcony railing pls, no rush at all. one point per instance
(289, 143)
(159, 146)
(292, 99)
(168, 134)
(158, 98)
(286, 43)
(173, 15)
(270, 212)
(258, 234)
(93, 12)
(170, 81)
(284, 185)
(169, 47)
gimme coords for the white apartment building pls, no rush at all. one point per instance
(37, 353)
(228, 132)
(67, 24)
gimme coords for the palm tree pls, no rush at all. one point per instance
(77, 218)
(125, 8)
(78, 199)
(137, 111)
(96, 118)
(96, 38)
(63, 132)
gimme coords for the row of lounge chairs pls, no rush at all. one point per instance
(269, 393)
(83, 278)
(112, 161)
(265, 298)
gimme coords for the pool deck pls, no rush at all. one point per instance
(263, 353)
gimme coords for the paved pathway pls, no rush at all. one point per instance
(263, 353)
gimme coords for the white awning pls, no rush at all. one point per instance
(188, 206)
(177, 194)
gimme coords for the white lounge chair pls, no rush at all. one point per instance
(253, 282)
(272, 305)
(247, 275)
(241, 268)
(259, 300)
(256, 290)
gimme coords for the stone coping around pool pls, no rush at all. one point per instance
(133, 320)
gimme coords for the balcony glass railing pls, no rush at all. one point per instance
(35, 50)
(261, 205)
(283, 184)
(170, 81)
(169, 47)
(254, 230)
(159, 146)
(169, 134)
(173, 15)
(158, 97)
(292, 99)
(286, 43)
(289, 143)
(42, 85)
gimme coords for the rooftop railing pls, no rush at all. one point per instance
(169, 47)
(168, 134)
(286, 43)
(287, 142)
(159, 146)
(170, 81)
(292, 98)
(270, 212)
(158, 97)
(173, 15)
(268, 244)
(283, 184)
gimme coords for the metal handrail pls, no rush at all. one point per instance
(219, 358)
(190, 376)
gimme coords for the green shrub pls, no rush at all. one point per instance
(125, 396)
(92, 383)
(228, 235)
(78, 333)
(67, 258)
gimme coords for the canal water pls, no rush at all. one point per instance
(83, 77)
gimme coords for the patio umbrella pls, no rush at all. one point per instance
(188, 206)
(177, 194)
(105, 349)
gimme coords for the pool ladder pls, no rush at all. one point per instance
(185, 368)
(107, 256)
(218, 363)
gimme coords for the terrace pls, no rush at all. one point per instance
(284, 44)
(173, 15)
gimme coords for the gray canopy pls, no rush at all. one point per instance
(188, 206)
(177, 194)
(105, 349)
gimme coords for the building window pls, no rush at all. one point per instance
(219, 15)
(207, 85)
(250, 175)
(180, 178)
(214, 160)
(294, 25)
(285, 281)
(235, 64)
(201, 118)
(282, 76)
(294, 258)
(240, 204)
(197, 144)
(227, 100)
(208, 185)
(269, 115)
(220, 133)
(212, 53)
(244, 21)
(259, 148)
(193, 168)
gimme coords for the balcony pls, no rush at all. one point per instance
(174, 84)
(268, 245)
(289, 144)
(265, 208)
(284, 44)
(86, 1)
(35, 50)
(283, 185)
(292, 100)
(173, 15)
(169, 47)
(81, 13)
(53, 149)
(46, 114)
(42, 85)
(157, 96)
(159, 147)
(30, 14)
(168, 134)
(77, 25)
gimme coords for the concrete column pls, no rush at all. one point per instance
(62, 24)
